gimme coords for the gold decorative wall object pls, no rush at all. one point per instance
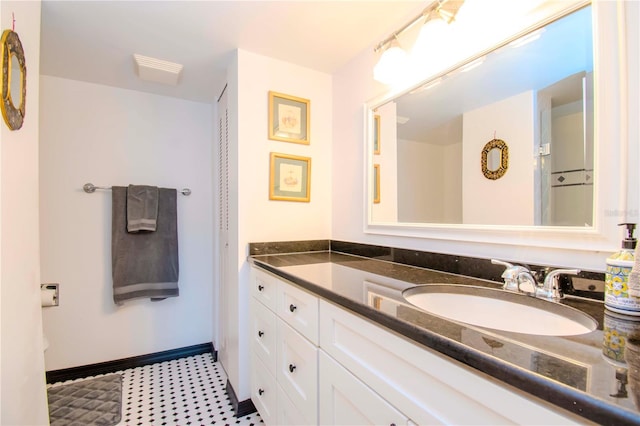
(495, 148)
(14, 80)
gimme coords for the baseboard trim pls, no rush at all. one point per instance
(241, 408)
(107, 367)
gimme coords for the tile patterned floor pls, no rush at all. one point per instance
(187, 391)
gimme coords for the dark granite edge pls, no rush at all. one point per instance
(279, 247)
(563, 396)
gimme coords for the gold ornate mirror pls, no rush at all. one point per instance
(495, 159)
(14, 80)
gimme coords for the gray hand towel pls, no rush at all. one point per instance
(142, 208)
(144, 264)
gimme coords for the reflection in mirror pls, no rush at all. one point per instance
(15, 80)
(494, 159)
(537, 95)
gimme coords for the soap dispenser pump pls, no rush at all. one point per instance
(619, 264)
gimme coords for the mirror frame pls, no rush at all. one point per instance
(611, 175)
(11, 48)
(502, 147)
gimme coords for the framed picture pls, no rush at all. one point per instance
(289, 178)
(376, 183)
(289, 118)
(376, 134)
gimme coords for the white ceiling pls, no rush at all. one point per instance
(94, 41)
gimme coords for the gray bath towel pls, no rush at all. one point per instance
(142, 208)
(144, 264)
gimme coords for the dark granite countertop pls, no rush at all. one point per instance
(585, 374)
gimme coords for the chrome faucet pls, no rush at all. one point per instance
(516, 275)
(550, 289)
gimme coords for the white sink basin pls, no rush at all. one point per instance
(499, 309)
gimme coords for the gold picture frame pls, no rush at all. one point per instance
(289, 178)
(376, 184)
(376, 134)
(289, 118)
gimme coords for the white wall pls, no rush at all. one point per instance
(354, 86)
(511, 120)
(452, 183)
(421, 163)
(24, 399)
(109, 136)
(425, 161)
(251, 77)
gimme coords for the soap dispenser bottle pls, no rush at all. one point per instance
(619, 264)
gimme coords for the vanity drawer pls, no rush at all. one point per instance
(297, 371)
(263, 334)
(264, 287)
(299, 309)
(263, 391)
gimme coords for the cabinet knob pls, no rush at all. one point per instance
(260, 333)
(292, 368)
(260, 287)
(260, 392)
(292, 307)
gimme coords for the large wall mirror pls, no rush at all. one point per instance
(535, 92)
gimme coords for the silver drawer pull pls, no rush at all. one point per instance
(292, 368)
(260, 333)
(292, 307)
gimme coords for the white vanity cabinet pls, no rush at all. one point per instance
(330, 366)
(284, 345)
(424, 385)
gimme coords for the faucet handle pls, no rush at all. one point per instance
(501, 262)
(550, 288)
(510, 274)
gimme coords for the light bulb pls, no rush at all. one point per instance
(392, 65)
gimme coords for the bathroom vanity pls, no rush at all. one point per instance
(333, 341)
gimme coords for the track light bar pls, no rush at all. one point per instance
(433, 6)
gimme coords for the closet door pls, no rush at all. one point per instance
(222, 219)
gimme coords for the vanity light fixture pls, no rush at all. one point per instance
(391, 64)
(435, 24)
(393, 59)
(527, 39)
(427, 86)
(157, 70)
(473, 64)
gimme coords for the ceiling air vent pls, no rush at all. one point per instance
(157, 70)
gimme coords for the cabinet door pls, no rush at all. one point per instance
(263, 391)
(299, 309)
(288, 414)
(297, 370)
(264, 287)
(345, 400)
(263, 334)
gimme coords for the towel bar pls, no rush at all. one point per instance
(90, 188)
